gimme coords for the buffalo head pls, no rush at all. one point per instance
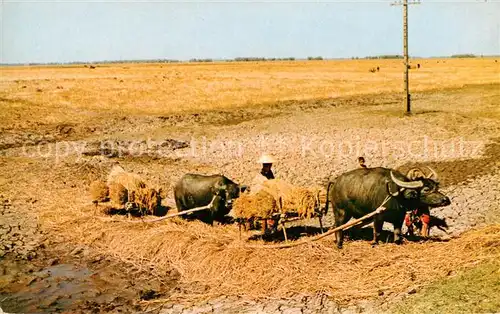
(229, 192)
(422, 189)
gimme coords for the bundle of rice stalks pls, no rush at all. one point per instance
(130, 181)
(99, 191)
(293, 199)
(303, 201)
(258, 205)
(118, 195)
(147, 200)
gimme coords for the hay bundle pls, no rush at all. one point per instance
(99, 191)
(303, 201)
(147, 200)
(118, 195)
(129, 189)
(293, 199)
(130, 181)
(258, 205)
(320, 193)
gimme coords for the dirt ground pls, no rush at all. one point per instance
(45, 170)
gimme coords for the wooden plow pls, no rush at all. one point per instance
(189, 211)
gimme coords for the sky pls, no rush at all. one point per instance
(70, 31)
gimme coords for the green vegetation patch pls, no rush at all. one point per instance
(475, 290)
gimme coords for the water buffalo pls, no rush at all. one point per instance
(361, 191)
(194, 190)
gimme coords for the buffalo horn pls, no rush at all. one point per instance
(411, 174)
(433, 174)
(393, 194)
(408, 185)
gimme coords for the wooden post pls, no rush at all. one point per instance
(284, 231)
(405, 53)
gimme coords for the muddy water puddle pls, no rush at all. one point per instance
(70, 288)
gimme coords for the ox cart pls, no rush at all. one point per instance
(277, 219)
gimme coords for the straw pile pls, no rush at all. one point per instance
(99, 191)
(258, 205)
(293, 199)
(126, 187)
(130, 181)
(215, 258)
(146, 200)
(118, 195)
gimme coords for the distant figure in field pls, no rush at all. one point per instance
(361, 161)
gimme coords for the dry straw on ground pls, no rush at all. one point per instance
(214, 258)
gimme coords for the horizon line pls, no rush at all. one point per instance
(245, 59)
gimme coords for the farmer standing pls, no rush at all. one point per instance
(257, 184)
(265, 173)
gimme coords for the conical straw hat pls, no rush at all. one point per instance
(266, 159)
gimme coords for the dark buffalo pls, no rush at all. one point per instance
(361, 191)
(194, 190)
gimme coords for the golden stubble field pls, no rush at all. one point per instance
(74, 93)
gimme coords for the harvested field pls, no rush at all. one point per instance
(316, 118)
(221, 264)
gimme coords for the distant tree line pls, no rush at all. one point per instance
(238, 59)
(384, 57)
(465, 55)
(201, 60)
(243, 59)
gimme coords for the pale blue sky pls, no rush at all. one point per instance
(64, 31)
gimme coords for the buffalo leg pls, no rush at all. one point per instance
(206, 217)
(378, 223)
(341, 217)
(398, 225)
(397, 235)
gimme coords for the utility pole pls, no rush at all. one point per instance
(405, 4)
